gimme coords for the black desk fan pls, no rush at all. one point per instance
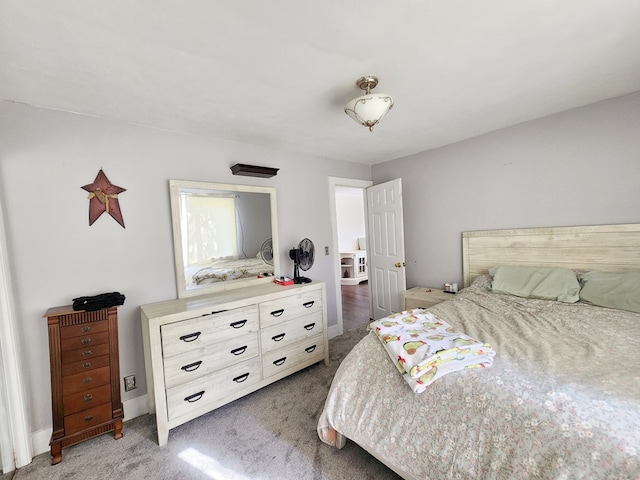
(302, 259)
(266, 251)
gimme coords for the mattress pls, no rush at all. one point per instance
(561, 400)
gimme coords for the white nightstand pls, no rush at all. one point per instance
(423, 297)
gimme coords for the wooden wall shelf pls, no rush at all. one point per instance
(253, 170)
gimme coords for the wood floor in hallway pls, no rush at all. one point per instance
(355, 305)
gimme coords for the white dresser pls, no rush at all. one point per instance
(204, 352)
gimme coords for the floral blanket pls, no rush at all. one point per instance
(425, 348)
(221, 270)
(561, 400)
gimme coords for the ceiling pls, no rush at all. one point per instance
(278, 73)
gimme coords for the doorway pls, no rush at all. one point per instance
(347, 205)
(352, 245)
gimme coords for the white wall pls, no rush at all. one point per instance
(254, 222)
(349, 218)
(574, 168)
(46, 156)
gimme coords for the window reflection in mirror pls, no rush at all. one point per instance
(223, 235)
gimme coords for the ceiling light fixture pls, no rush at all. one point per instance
(369, 109)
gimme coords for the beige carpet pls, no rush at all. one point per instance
(267, 435)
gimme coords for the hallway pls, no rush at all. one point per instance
(355, 305)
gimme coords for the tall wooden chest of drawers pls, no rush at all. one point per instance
(204, 352)
(85, 376)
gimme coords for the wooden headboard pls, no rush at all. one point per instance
(613, 248)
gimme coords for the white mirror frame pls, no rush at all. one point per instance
(174, 188)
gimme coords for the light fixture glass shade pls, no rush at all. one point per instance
(368, 110)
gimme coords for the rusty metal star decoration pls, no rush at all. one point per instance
(103, 197)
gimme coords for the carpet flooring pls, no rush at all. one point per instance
(267, 435)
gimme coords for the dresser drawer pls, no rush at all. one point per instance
(282, 334)
(196, 363)
(81, 329)
(79, 382)
(195, 333)
(204, 391)
(305, 353)
(284, 309)
(84, 353)
(84, 341)
(77, 402)
(85, 365)
(87, 419)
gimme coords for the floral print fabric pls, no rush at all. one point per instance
(425, 348)
(561, 401)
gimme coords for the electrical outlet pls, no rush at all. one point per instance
(130, 383)
(326, 250)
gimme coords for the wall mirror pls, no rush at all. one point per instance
(225, 236)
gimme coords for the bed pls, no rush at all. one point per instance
(561, 399)
(221, 270)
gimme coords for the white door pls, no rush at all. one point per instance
(385, 248)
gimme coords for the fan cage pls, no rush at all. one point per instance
(302, 257)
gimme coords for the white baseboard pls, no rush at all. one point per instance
(135, 407)
(333, 331)
(132, 408)
(40, 440)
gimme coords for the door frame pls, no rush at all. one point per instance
(335, 254)
(15, 439)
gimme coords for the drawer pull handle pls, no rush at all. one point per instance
(86, 353)
(239, 350)
(86, 365)
(241, 378)
(217, 311)
(87, 380)
(88, 418)
(238, 324)
(192, 366)
(86, 341)
(310, 326)
(195, 397)
(86, 329)
(310, 349)
(192, 337)
(308, 304)
(277, 313)
(88, 397)
(277, 338)
(280, 361)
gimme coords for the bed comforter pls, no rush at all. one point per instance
(222, 270)
(561, 401)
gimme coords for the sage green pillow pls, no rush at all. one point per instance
(612, 290)
(544, 283)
